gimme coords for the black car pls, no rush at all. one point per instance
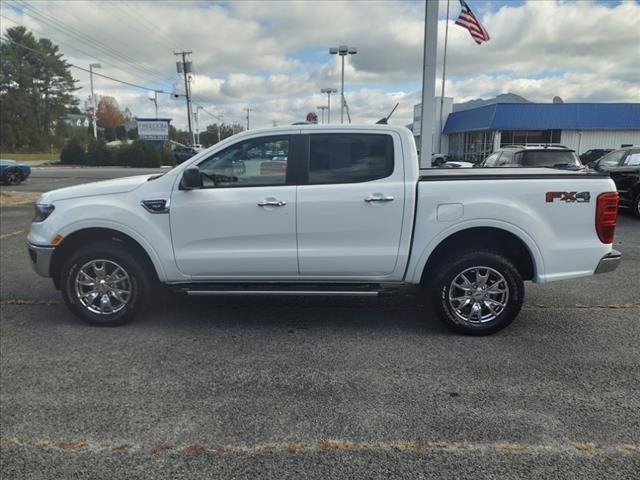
(533, 156)
(624, 167)
(183, 153)
(593, 154)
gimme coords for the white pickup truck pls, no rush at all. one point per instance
(324, 210)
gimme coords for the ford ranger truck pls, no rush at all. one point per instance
(324, 210)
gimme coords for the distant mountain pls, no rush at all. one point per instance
(479, 102)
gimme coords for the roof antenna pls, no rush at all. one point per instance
(383, 121)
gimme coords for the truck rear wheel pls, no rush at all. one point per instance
(479, 293)
(104, 285)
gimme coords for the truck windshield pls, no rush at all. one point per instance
(550, 158)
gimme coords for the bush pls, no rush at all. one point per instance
(139, 154)
(121, 132)
(99, 155)
(167, 158)
(109, 134)
(73, 153)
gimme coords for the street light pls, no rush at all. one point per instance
(93, 98)
(155, 101)
(328, 91)
(322, 108)
(343, 51)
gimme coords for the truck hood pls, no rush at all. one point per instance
(104, 187)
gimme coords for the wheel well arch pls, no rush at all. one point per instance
(87, 236)
(493, 238)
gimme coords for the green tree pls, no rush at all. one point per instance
(36, 91)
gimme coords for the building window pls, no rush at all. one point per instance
(529, 137)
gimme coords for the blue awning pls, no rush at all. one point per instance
(546, 116)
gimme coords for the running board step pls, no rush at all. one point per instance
(333, 290)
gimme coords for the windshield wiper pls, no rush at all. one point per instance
(155, 177)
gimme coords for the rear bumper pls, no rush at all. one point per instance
(40, 259)
(609, 262)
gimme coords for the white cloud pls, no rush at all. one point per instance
(272, 55)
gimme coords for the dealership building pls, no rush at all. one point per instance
(471, 135)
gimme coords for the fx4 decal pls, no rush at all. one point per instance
(568, 197)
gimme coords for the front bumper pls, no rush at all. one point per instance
(40, 259)
(609, 262)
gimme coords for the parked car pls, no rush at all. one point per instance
(457, 164)
(12, 172)
(593, 154)
(350, 214)
(183, 153)
(624, 167)
(533, 156)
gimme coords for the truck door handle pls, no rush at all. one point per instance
(379, 198)
(272, 203)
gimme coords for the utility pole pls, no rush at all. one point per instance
(322, 108)
(186, 68)
(93, 99)
(248, 110)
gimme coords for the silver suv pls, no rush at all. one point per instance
(532, 156)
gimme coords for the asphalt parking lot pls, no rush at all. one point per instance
(317, 388)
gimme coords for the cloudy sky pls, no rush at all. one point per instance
(273, 55)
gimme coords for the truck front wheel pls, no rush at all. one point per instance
(478, 293)
(104, 284)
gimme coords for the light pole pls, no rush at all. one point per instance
(155, 101)
(328, 91)
(197, 134)
(93, 98)
(343, 51)
(322, 108)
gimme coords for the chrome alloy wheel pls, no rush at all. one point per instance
(103, 287)
(478, 295)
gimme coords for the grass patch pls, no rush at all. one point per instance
(195, 448)
(27, 157)
(159, 447)
(585, 446)
(292, 447)
(14, 199)
(336, 445)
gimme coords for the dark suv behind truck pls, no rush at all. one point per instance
(624, 167)
(531, 156)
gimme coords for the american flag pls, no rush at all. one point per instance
(469, 21)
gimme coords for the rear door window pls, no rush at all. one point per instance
(349, 157)
(633, 159)
(491, 160)
(549, 158)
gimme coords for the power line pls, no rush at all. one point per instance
(50, 20)
(86, 69)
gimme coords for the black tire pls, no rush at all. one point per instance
(635, 207)
(499, 269)
(12, 176)
(137, 280)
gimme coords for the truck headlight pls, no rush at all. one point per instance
(42, 211)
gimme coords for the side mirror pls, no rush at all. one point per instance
(191, 179)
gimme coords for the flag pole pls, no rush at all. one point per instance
(444, 73)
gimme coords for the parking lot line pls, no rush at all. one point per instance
(12, 234)
(584, 448)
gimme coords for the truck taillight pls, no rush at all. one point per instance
(606, 215)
